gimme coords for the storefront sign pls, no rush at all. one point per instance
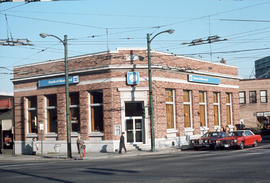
(203, 79)
(133, 78)
(58, 81)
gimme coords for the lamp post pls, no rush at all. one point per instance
(149, 40)
(64, 42)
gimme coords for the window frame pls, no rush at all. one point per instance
(92, 105)
(76, 107)
(173, 107)
(204, 103)
(31, 110)
(229, 104)
(250, 98)
(48, 108)
(189, 103)
(265, 97)
(218, 106)
(243, 97)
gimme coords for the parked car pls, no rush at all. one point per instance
(240, 139)
(208, 140)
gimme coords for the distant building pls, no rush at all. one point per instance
(6, 124)
(254, 102)
(262, 67)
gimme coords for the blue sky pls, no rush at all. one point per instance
(97, 25)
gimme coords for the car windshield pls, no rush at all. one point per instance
(216, 134)
(237, 133)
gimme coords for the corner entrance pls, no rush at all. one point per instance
(134, 119)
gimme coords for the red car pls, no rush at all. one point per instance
(240, 139)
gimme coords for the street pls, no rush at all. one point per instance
(248, 165)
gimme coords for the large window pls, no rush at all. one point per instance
(96, 111)
(51, 110)
(203, 109)
(263, 96)
(170, 108)
(242, 97)
(32, 114)
(252, 97)
(229, 108)
(187, 109)
(74, 112)
(216, 108)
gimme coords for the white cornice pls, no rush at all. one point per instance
(125, 66)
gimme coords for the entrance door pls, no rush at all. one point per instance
(134, 115)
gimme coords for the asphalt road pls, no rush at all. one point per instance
(233, 166)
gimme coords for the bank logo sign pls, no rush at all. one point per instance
(203, 79)
(58, 81)
(133, 78)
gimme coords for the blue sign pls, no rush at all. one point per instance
(133, 78)
(203, 79)
(57, 81)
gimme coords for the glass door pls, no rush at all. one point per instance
(134, 115)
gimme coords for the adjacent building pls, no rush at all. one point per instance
(6, 123)
(109, 94)
(254, 102)
(262, 67)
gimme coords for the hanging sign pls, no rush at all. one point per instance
(133, 78)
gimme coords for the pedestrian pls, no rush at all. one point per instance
(34, 146)
(122, 143)
(79, 143)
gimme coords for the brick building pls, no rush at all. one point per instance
(254, 102)
(109, 94)
(6, 123)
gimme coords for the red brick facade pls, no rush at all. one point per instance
(107, 72)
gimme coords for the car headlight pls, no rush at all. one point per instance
(235, 141)
(218, 142)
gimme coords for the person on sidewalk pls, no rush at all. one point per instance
(79, 144)
(122, 143)
(34, 146)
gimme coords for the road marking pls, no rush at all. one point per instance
(24, 165)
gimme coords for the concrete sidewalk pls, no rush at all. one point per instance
(89, 156)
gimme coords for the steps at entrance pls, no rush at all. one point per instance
(138, 147)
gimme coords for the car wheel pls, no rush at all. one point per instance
(241, 146)
(255, 143)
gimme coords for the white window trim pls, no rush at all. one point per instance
(230, 104)
(190, 111)
(218, 104)
(265, 96)
(46, 116)
(244, 96)
(27, 116)
(172, 103)
(90, 114)
(205, 109)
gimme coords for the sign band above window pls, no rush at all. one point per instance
(203, 79)
(58, 81)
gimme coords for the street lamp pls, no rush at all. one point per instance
(149, 40)
(64, 42)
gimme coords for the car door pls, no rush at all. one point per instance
(248, 138)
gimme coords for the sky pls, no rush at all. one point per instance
(100, 25)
